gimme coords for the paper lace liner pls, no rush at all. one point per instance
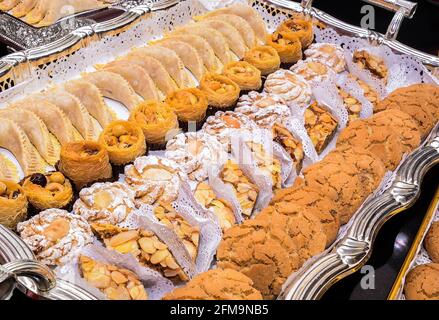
(155, 284)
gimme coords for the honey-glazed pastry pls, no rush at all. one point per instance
(154, 179)
(157, 120)
(108, 202)
(115, 282)
(369, 93)
(422, 282)
(431, 242)
(245, 75)
(328, 54)
(299, 27)
(144, 245)
(55, 236)
(245, 191)
(84, 162)
(221, 91)
(320, 125)
(291, 144)
(46, 191)
(287, 45)
(13, 204)
(189, 104)
(265, 58)
(124, 141)
(353, 106)
(292, 88)
(206, 197)
(216, 284)
(311, 70)
(374, 64)
(196, 152)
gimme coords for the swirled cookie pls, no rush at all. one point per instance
(431, 242)
(422, 282)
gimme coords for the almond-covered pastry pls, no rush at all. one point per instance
(109, 202)
(189, 104)
(154, 179)
(287, 45)
(206, 197)
(13, 204)
(157, 120)
(84, 162)
(299, 27)
(124, 141)
(55, 236)
(328, 54)
(374, 64)
(245, 191)
(266, 163)
(116, 283)
(291, 144)
(292, 88)
(46, 191)
(369, 93)
(144, 245)
(265, 58)
(196, 152)
(353, 106)
(221, 91)
(311, 70)
(245, 75)
(320, 125)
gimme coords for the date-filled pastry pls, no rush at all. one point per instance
(157, 120)
(328, 54)
(311, 70)
(13, 204)
(245, 75)
(301, 28)
(189, 104)
(374, 64)
(116, 283)
(124, 141)
(84, 162)
(221, 91)
(46, 191)
(55, 236)
(287, 45)
(265, 58)
(108, 202)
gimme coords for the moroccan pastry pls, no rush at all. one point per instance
(144, 245)
(369, 93)
(310, 70)
(287, 46)
(221, 91)
(124, 141)
(266, 163)
(189, 104)
(328, 54)
(320, 125)
(353, 106)
(196, 152)
(157, 120)
(22, 8)
(245, 75)
(13, 204)
(422, 282)
(374, 64)
(216, 284)
(206, 197)
(431, 242)
(292, 88)
(116, 283)
(299, 27)
(7, 169)
(55, 236)
(291, 144)
(46, 191)
(265, 58)
(154, 179)
(7, 5)
(245, 191)
(109, 202)
(84, 162)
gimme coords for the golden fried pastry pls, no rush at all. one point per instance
(299, 27)
(287, 45)
(116, 283)
(311, 70)
(291, 144)
(13, 204)
(45, 191)
(267, 164)
(265, 58)
(422, 282)
(124, 141)
(84, 162)
(245, 75)
(328, 54)
(353, 106)
(374, 64)
(189, 104)
(157, 120)
(221, 91)
(55, 236)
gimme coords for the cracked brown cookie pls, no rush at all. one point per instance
(431, 242)
(262, 251)
(217, 284)
(422, 282)
(316, 203)
(421, 101)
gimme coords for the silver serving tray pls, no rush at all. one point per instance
(349, 253)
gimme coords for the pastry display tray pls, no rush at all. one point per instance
(30, 70)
